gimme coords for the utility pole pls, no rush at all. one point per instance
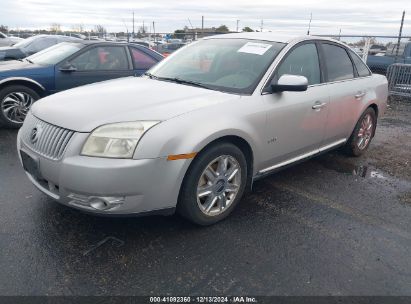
(339, 35)
(262, 25)
(133, 24)
(309, 23)
(237, 25)
(202, 26)
(154, 30)
(399, 36)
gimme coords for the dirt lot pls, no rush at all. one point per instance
(330, 226)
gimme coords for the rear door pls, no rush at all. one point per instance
(296, 120)
(142, 61)
(94, 64)
(348, 91)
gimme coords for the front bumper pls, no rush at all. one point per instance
(128, 186)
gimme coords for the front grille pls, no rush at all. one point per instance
(51, 141)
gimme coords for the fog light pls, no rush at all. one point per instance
(104, 203)
(101, 203)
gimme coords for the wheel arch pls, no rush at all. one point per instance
(30, 83)
(374, 106)
(239, 142)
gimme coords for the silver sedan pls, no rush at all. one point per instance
(195, 132)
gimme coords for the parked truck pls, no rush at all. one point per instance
(380, 63)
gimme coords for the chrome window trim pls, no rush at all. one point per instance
(285, 51)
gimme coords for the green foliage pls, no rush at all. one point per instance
(248, 29)
(222, 29)
(178, 34)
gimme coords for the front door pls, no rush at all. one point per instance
(95, 64)
(296, 120)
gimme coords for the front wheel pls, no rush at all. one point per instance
(363, 133)
(15, 102)
(213, 185)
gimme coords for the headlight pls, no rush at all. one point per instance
(118, 140)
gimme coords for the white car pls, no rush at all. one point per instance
(8, 40)
(201, 126)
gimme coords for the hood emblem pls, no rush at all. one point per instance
(35, 134)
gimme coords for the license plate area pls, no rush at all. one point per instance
(31, 165)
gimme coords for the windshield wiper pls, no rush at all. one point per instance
(178, 80)
(190, 82)
(150, 75)
(29, 60)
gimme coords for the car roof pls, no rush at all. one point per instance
(108, 43)
(270, 36)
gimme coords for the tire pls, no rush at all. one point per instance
(15, 101)
(226, 188)
(353, 147)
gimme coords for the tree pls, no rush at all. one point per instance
(4, 28)
(55, 27)
(79, 28)
(222, 29)
(248, 29)
(179, 34)
(100, 30)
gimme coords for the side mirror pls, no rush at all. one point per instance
(292, 83)
(68, 68)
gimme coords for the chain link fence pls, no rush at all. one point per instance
(399, 80)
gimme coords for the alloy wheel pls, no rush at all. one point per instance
(218, 185)
(16, 105)
(365, 132)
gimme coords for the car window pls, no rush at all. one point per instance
(40, 44)
(102, 58)
(338, 64)
(302, 61)
(141, 60)
(392, 50)
(360, 65)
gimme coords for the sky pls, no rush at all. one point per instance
(357, 17)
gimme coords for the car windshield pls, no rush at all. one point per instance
(55, 54)
(229, 65)
(25, 42)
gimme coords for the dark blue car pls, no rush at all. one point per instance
(64, 66)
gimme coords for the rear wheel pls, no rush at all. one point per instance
(363, 133)
(214, 184)
(15, 102)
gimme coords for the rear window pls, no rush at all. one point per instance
(392, 50)
(141, 60)
(339, 65)
(360, 65)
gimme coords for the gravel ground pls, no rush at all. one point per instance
(330, 226)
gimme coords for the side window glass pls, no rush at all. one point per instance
(141, 60)
(339, 66)
(360, 65)
(302, 61)
(102, 58)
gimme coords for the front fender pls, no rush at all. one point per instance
(193, 131)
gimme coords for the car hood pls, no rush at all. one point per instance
(127, 99)
(7, 67)
(6, 48)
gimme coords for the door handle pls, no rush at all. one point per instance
(318, 105)
(359, 95)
